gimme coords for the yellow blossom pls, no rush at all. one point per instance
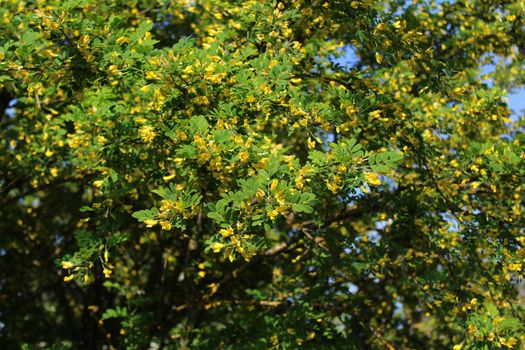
(509, 343)
(168, 177)
(150, 75)
(83, 41)
(122, 40)
(379, 58)
(333, 184)
(165, 225)
(98, 183)
(69, 278)
(372, 179)
(333, 187)
(67, 265)
(311, 144)
(374, 114)
(272, 214)
(202, 100)
(53, 172)
(88, 278)
(226, 232)
(147, 133)
(150, 222)
(515, 267)
(217, 246)
(113, 69)
(299, 182)
(243, 156)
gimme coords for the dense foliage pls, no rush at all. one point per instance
(206, 175)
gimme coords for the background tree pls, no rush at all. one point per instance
(204, 174)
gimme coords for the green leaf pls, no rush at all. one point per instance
(216, 216)
(146, 214)
(302, 208)
(199, 124)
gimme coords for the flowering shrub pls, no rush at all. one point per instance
(208, 175)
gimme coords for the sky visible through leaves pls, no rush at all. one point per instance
(516, 98)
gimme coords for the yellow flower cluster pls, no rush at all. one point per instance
(147, 133)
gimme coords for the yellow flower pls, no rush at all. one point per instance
(311, 144)
(54, 172)
(272, 214)
(113, 70)
(98, 183)
(515, 267)
(203, 157)
(226, 232)
(122, 40)
(69, 278)
(168, 177)
(107, 272)
(244, 156)
(427, 134)
(84, 41)
(457, 347)
(165, 225)
(50, 54)
(379, 59)
(332, 186)
(217, 246)
(375, 114)
(372, 179)
(151, 75)
(188, 69)
(150, 222)
(351, 111)
(202, 100)
(88, 279)
(299, 181)
(67, 265)
(147, 133)
(509, 343)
